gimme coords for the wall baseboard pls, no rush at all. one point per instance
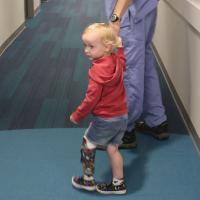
(37, 10)
(12, 37)
(182, 111)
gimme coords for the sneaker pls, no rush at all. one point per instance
(159, 132)
(81, 183)
(111, 188)
(129, 140)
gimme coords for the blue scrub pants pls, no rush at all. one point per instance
(141, 79)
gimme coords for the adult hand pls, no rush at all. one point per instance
(116, 27)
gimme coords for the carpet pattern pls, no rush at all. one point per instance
(43, 74)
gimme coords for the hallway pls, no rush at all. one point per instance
(43, 77)
(44, 66)
(43, 74)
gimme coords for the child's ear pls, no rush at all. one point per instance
(108, 47)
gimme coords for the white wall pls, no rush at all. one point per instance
(177, 40)
(11, 17)
(36, 4)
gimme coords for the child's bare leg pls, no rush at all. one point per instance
(117, 186)
(116, 161)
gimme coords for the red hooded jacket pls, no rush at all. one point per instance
(105, 96)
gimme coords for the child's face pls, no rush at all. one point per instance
(93, 46)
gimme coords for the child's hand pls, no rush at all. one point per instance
(119, 41)
(115, 27)
(72, 119)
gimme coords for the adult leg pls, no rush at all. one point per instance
(134, 43)
(133, 36)
(154, 112)
(153, 109)
(130, 44)
(134, 46)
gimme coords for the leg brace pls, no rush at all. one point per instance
(87, 159)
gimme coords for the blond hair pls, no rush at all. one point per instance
(105, 32)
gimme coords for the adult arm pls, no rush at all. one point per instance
(120, 8)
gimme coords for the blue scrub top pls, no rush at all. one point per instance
(139, 9)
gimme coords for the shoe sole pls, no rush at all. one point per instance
(128, 146)
(110, 192)
(161, 136)
(141, 127)
(82, 186)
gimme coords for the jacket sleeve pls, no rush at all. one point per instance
(92, 96)
(121, 56)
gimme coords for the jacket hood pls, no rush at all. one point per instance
(106, 70)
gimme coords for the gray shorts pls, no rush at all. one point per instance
(102, 131)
